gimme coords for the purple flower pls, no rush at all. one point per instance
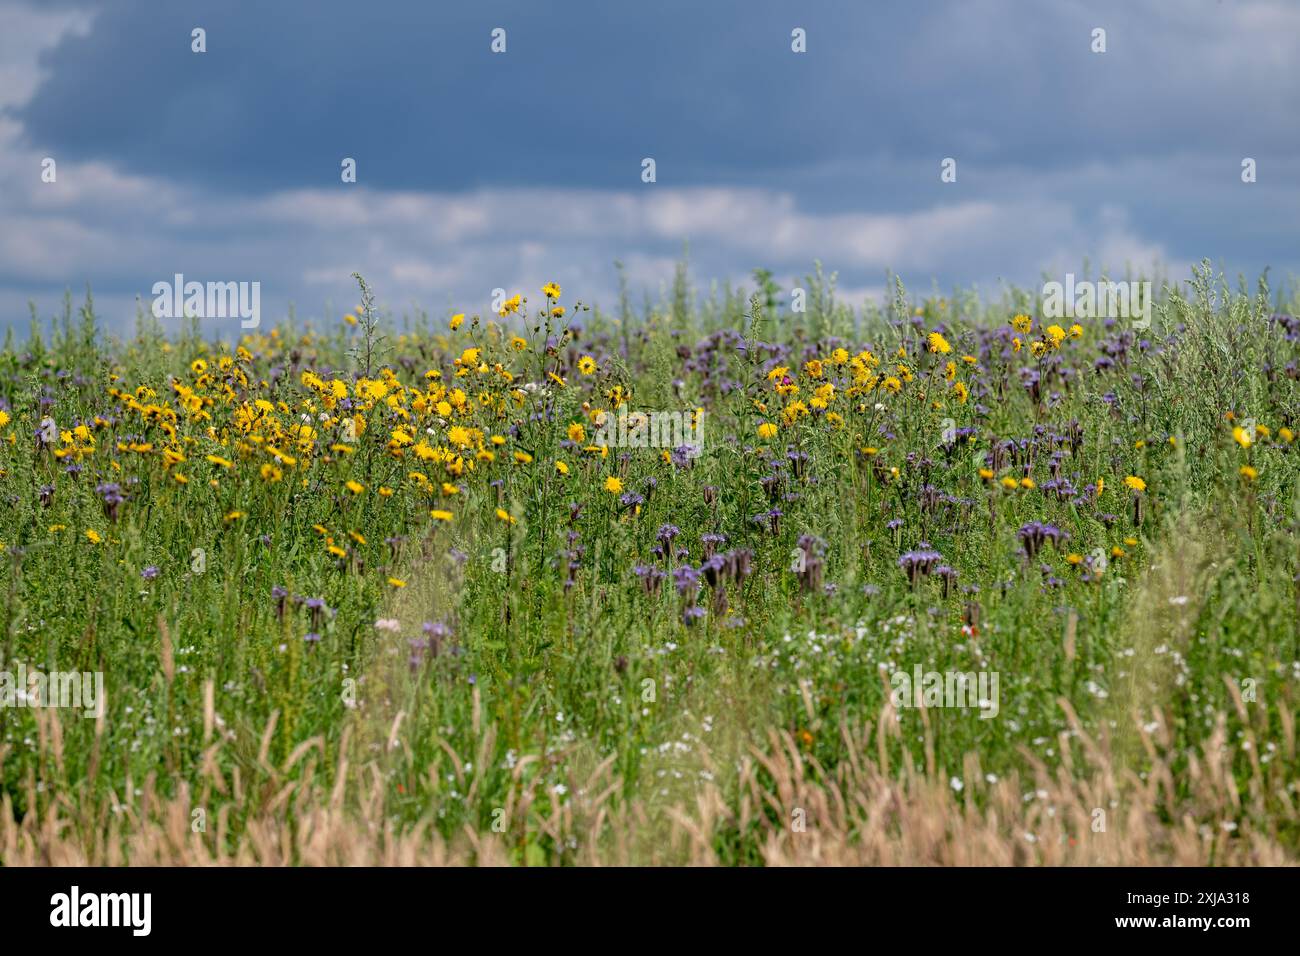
(150, 572)
(919, 562)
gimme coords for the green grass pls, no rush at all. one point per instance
(1201, 603)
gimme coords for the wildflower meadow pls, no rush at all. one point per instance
(711, 579)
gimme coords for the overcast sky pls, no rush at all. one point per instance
(479, 170)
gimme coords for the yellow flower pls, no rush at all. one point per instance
(233, 516)
(457, 321)
(523, 457)
(1242, 437)
(962, 391)
(1076, 331)
(613, 485)
(1136, 483)
(397, 582)
(503, 515)
(1056, 335)
(586, 365)
(1009, 483)
(557, 311)
(93, 536)
(221, 462)
(350, 319)
(510, 305)
(518, 344)
(767, 430)
(1022, 324)
(1249, 473)
(438, 514)
(939, 344)
(1027, 483)
(551, 290)
(561, 467)
(355, 487)
(577, 434)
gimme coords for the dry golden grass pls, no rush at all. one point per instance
(865, 813)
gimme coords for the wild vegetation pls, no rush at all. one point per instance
(395, 589)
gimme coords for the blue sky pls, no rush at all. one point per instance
(479, 170)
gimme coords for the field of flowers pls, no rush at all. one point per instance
(397, 589)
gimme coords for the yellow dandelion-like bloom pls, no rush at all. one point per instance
(586, 365)
(1136, 483)
(503, 515)
(1249, 473)
(1242, 437)
(561, 467)
(613, 485)
(354, 486)
(518, 344)
(577, 434)
(221, 462)
(523, 458)
(456, 321)
(1022, 324)
(437, 514)
(551, 290)
(93, 536)
(233, 516)
(397, 582)
(767, 430)
(938, 343)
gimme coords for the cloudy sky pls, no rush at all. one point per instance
(479, 170)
